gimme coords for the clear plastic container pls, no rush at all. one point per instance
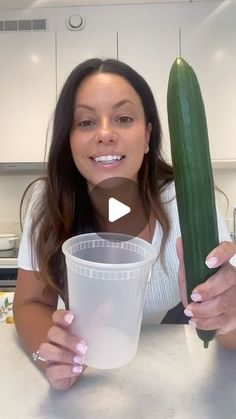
(107, 281)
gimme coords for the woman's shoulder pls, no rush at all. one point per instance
(33, 195)
(169, 203)
(168, 194)
(37, 188)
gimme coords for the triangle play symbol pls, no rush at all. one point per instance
(117, 209)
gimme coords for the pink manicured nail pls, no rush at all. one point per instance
(196, 297)
(78, 360)
(77, 369)
(81, 347)
(68, 318)
(188, 313)
(211, 262)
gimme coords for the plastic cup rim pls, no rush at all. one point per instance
(121, 266)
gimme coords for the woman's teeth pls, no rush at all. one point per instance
(107, 159)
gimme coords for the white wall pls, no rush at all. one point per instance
(12, 188)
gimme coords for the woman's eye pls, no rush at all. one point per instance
(86, 123)
(124, 119)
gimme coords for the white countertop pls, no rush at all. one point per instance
(8, 262)
(172, 376)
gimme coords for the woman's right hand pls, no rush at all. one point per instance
(64, 352)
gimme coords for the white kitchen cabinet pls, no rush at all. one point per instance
(33, 68)
(150, 44)
(75, 46)
(28, 94)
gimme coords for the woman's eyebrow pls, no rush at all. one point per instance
(116, 105)
(81, 105)
(123, 102)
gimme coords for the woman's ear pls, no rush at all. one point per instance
(146, 148)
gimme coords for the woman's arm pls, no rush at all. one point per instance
(42, 328)
(33, 310)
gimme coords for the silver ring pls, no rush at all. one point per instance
(36, 357)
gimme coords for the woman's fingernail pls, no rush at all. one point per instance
(192, 323)
(81, 347)
(188, 313)
(77, 369)
(68, 318)
(211, 262)
(78, 360)
(196, 297)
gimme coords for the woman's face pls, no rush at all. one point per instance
(109, 136)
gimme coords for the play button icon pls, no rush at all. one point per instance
(116, 209)
(120, 206)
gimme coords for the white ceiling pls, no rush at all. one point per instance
(23, 4)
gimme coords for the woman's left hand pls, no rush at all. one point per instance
(217, 294)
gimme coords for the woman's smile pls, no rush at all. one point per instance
(111, 160)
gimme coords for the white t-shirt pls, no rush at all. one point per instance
(162, 291)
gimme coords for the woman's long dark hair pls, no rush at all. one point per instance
(64, 208)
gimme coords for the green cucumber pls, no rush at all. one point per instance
(193, 176)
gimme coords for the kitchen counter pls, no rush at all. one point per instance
(172, 376)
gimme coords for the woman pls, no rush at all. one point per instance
(106, 125)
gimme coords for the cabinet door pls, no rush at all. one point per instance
(73, 47)
(148, 53)
(208, 44)
(28, 94)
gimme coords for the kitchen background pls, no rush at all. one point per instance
(42, 41)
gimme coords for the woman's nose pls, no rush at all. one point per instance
(105, 133)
